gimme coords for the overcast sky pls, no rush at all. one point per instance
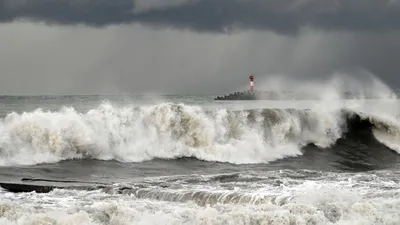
(191, 46)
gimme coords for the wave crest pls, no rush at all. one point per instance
(167, 131)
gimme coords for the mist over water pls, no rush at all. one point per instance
(359, 81)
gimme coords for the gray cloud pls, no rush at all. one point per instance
(128, 56)
(40, 59)
(283, 16)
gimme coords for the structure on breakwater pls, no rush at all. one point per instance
(246, 95)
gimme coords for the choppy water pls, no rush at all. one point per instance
(192, 160)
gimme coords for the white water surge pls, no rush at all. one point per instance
(168, 131)
(329, 199)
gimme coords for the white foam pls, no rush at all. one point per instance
(323, 201)
(166, 130)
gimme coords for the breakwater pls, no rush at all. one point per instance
(286, 95)
(246, 95)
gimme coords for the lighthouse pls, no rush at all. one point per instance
(251, 83)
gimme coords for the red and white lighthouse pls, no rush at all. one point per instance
(251, 83)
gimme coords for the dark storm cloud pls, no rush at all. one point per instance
(282, 16)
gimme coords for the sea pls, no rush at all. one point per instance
(147, 159)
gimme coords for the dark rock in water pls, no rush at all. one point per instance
(16, 188)
(46, 186)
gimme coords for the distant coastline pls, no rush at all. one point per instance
(286, 95)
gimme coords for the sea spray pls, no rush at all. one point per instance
(138, 133)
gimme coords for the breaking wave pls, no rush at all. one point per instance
(169, 131)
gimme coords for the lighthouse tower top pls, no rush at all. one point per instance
(251, 83)
(251, 77)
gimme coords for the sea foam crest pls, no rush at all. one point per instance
(167, 131)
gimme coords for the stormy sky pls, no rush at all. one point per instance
(191, 46)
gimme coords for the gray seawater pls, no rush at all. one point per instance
(192, 160)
